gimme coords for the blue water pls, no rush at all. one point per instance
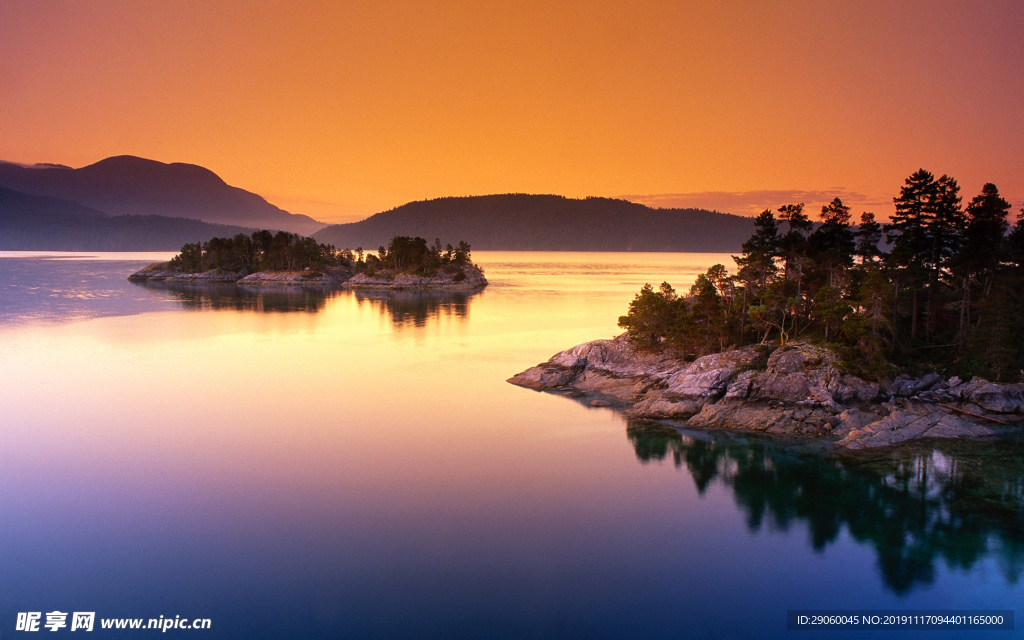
(327, 464)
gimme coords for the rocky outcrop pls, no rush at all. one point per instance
(307, 278)
(798, 390)
(913, 421)
(466, 278)
(161, 272)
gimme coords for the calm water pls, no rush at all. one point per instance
(307, 465)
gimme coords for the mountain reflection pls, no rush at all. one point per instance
(416, 308)
(956, 503)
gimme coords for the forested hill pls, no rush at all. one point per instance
(547, 223)
(43, 223)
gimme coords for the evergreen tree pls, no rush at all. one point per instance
(945, 224)
(907, 233)
(706, 317)
(869, 235)
(1015, 243)
(974, 267)
(956, 261)
(832, 246)
(757, 265)
(652, 315)
(793, 245)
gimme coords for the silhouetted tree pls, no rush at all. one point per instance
(869, 235)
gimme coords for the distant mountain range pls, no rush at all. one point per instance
(44, 223)
(547, 223)
(105, 198)
(127, 203)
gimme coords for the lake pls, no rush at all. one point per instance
(331, 465)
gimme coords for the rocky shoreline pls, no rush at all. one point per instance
(468, 277)
(797, 390)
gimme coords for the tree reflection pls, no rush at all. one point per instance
(243, 298)
(958, 503)
(403, 308)
(416, 308)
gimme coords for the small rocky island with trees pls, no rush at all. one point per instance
(864, 335)
(287, 259)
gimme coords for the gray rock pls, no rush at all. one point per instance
(161, 272)
(740, 386)
(800, 392)
(613, 367)
(906, 387)
(915, 422)
(992, 396)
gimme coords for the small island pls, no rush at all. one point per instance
(827, 332)
(287, 259)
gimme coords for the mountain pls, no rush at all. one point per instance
(547, 223)
(30, 222)
(127, 185)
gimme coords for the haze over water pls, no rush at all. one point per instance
(304, 464)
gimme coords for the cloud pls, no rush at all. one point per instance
(751, 203)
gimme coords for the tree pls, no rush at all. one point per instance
(984, 234)
(875, 296)
(869, 235)
(706, 316)
(651, 315)
(1015, 243)
(944, 227)
(833, 244)
(462, 253)
(793, 245)
(908, 235)
(757, 265)
(830, 310)
(958, 257)
(980, 252)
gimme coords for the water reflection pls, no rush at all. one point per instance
(415, 308)
(958, 503)
(242, 298)
(402, 308)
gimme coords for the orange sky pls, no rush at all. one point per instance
(342, 109)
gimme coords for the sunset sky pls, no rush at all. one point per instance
(342, 109)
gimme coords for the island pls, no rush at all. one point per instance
(827, 333)
(287, 259)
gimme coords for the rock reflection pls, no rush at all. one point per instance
(954, 503)
(416, 308)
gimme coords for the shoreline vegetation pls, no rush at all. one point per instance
(288, 259)
(865, 335)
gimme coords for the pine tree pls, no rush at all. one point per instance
(980, 252)
(757, 265)
(869, 234)
(1015, 243)
(793, 245)
(984, 232)
(833, 244)
(945, 224)
(909, 238)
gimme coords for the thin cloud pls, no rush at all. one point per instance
(751, 203)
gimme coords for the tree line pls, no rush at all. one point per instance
(939, 286)
(262, 251)
(282, 251)
(406, 254)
